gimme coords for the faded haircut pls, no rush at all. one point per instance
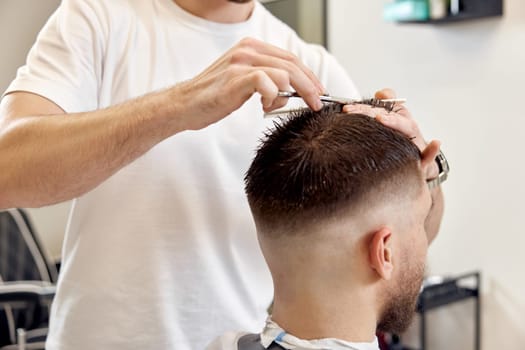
(315, 165)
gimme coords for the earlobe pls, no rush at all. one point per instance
(380, 253)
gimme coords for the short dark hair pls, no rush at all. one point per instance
(313, 165)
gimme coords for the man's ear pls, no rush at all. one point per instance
(380, 253)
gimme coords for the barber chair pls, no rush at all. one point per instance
(27, 283)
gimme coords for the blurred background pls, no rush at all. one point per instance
(464, 80)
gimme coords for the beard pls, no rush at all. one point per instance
(400, 302)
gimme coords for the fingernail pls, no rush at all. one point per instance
(383, 118)
(318, 105)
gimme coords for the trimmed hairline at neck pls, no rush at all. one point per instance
(351, 211)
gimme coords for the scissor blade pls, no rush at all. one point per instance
(340, 100)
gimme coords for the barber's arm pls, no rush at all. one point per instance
(48, 156)
(402, 121)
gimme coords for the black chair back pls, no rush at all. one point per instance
(22, 258)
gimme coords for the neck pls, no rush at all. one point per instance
(221, 11)
(323, 313)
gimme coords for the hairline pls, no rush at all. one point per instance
(308, 220)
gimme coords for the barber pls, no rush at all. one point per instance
(122, 106)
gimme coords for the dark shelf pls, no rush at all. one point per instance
(447, 292)
(442, 297)
(453, 19)
(470, 10)
(439, 293)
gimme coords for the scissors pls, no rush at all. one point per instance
(388, 103)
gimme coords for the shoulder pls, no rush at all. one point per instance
(100, 6)
(106, 13)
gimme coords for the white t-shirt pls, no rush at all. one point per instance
(272, 332)
(162, 255)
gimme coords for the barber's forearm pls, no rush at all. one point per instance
(436, 214)
(52, 158)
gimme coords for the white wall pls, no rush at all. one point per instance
(464, 83)
(20, 21)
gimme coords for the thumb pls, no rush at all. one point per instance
(428, 165)
(385, 93)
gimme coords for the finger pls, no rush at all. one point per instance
(271, 50)
(406, 126)
(281, 79)
(368, 110)
(396, 121)
(401, 109)
(372, 111)
(388, 93)
(428, 156)
(243, 86)
(385, 93)
(430, 152)
(297, 77)
(381, 114)
(244, 81)
(267, 82)
(266, 87)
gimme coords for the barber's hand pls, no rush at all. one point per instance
(250, 66)
(401, 120)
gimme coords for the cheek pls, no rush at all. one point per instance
(420, 241)
(424, 242)
(421, 250)
(415, 252)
